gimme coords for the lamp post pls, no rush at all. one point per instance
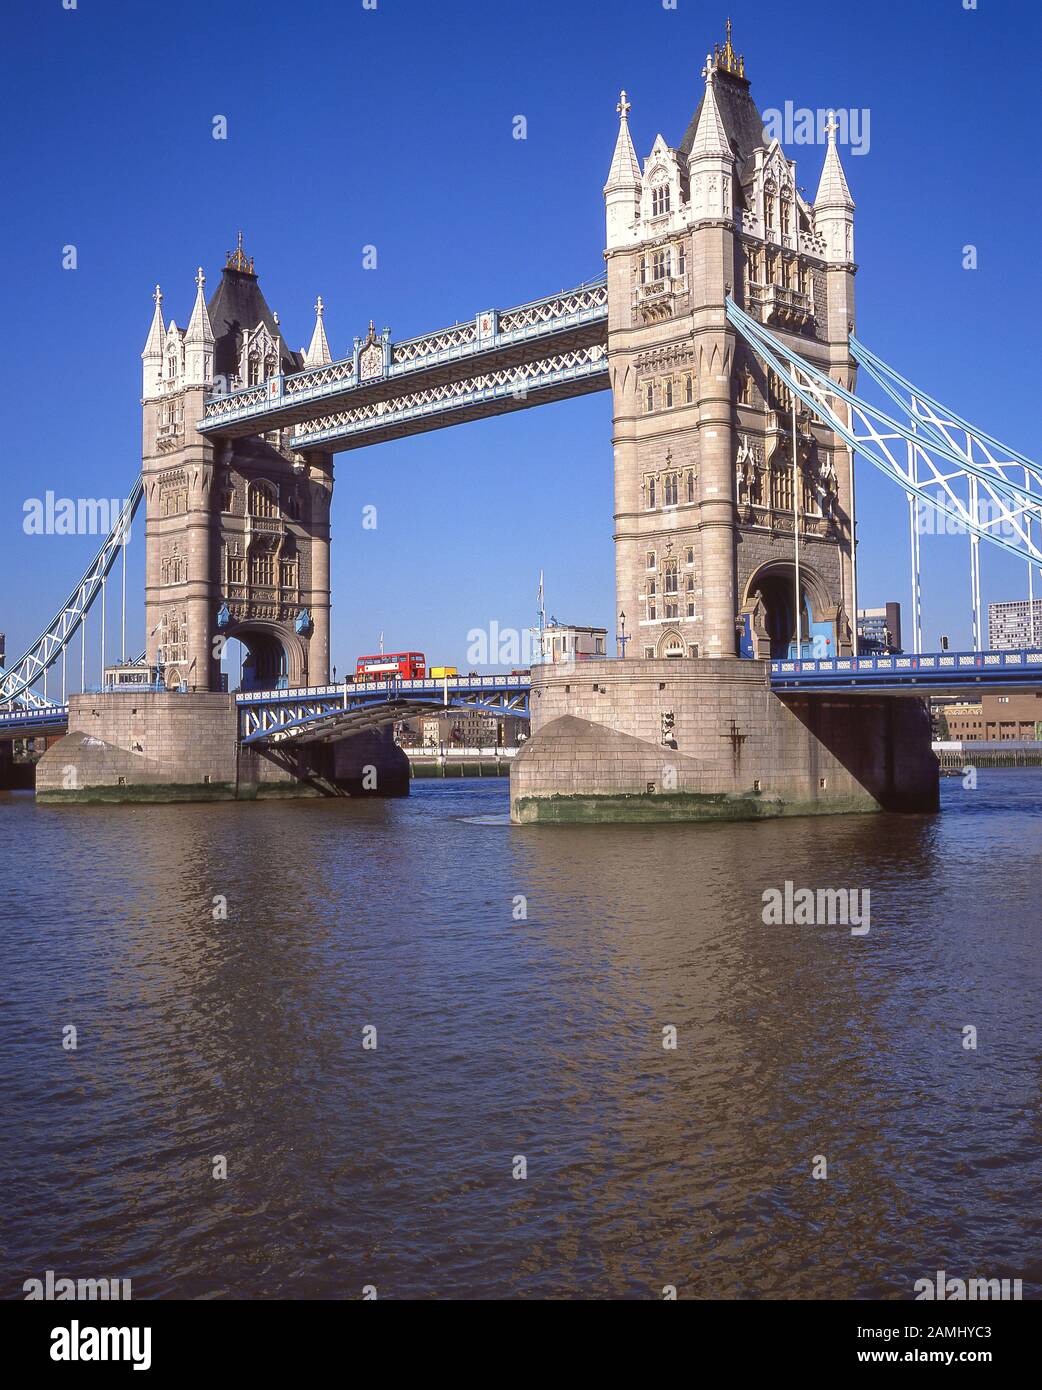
(620, 637)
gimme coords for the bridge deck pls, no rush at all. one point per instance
(549, 348)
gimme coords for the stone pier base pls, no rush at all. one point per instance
(172, 747)
(708, 740)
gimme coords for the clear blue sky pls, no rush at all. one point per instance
(394, 127)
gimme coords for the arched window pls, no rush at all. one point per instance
(660, 200)
(253, 367)
(271, 367)
(681, 259)
(649, 398)
(669, 580)
(262, 564)
(651, 492)
(667, 392)
(660, 265)
(689, 389)
(670, 497)
(263, 500)
(690, 491)
(643, 270)
(288, 567)
(781, 481)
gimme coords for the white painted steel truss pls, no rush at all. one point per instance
(17, 680)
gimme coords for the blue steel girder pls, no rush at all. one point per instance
(36, 720)
(335, 711)
(494, 342)
(907, 673)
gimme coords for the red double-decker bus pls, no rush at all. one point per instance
(389, 666)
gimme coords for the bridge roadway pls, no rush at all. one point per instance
(499, 361)
(326, 712)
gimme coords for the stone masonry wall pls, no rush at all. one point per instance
(707, 739)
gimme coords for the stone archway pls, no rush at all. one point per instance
(276, 657)
(769, 611)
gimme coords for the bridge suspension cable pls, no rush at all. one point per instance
(17, 680)
(932, 458)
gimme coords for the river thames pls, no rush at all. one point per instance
(521, 983)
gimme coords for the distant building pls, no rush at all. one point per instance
(879, 629)
(1009, 624)
(463, 728)
(560, 642)
(996, 718)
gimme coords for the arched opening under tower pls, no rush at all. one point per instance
(769, 614)
(262, 657)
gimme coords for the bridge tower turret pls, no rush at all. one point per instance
(705, 494)
(236, 531)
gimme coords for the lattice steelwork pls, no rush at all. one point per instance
(15, 682)
(495, 339)
(491, 393)
(329, 712)
(919, 454)
(975, 479)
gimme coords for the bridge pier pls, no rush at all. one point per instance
(707, 739)
(165, 746)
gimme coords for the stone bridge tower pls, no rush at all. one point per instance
(236, 531)
(702, 435)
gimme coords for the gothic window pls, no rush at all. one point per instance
(781, 482)
(755, 265)
(689, 584)
(670, 607)
(768, 211)
(681, 259)
(660, 200)
(253, 367)
(667, 392)
(691, 614)
(271, 367)
(690, 496)
(689, 389)
(670, 490)
(803, 277)
(649, 398)
(262, 565)
(263, 500)
(643, 270)
(660, 265)
(288, 566)
(171, 366)
(690, 556)
(669, 581)
(785, 210)
(652, 600)
(650, 560)
(651, 492)
(236, 568)
(772, 267)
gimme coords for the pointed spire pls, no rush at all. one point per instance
(157, 332)
(625, 171)
(710, 135)
(832, 190)
(318, 354)
(199, 329)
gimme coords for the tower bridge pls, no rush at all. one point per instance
(724, 328)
